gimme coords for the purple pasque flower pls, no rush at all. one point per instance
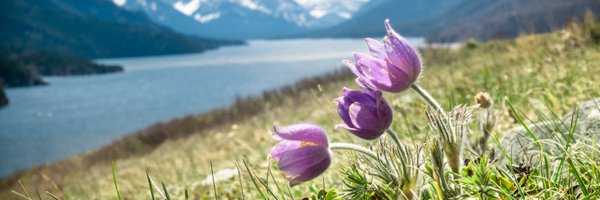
(365, 114)
(392, 66)
(303, 152)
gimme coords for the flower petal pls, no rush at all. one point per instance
(352, 67)
(312, 173)
(384, 111)
(343, 109)
(380, 74)
(376, 48)
(364, 134)
(360, 97)
(282, 147)
(363, 117)
(304, 163)
(303, 132)
(401, 54)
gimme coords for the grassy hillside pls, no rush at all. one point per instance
(552, 71)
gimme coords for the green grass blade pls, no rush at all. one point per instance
(150, 185)
(574, 119)
(115, 181)
(212, 174)
(289, 191)
(520, 120)
(574, 171)
(254, 181)
(241, 181)
(537, 143)
(511, 176)
(277, 183)
(266, 184)
(167, 196)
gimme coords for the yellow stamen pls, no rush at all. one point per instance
(303, 144)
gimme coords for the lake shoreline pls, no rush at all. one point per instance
(147, 139)
(3, 98)
(80, 110)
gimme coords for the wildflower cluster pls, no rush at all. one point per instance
(448, 167)
(393, 66)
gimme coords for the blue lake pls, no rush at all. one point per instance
(81, 113)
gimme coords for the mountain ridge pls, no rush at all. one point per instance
(458, 20)
(71, 27)
(244, 19)
(368, 21)
(490, 19)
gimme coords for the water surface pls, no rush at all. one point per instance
(81, 113)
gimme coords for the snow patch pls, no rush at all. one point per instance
(318, 13)
(310, 3)
(255, 6)
(207, 18)
(187, 8)
(120, 3)
(153, 6)
(344, 15)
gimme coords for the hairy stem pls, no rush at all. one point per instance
(353, 147)
(429, 99)
(394, 137)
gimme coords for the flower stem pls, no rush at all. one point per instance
(353, 147)
(429, 99)
(394, 137)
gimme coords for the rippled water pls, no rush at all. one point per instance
(78, 114)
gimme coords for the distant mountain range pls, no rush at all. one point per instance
(491, 19)
(244, 19)
(403, 14)
(457, 20)
(59, 37)
(90, 28)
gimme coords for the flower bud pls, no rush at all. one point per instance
(484, 100)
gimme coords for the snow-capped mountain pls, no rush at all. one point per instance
(244, 19)
(331, 12)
